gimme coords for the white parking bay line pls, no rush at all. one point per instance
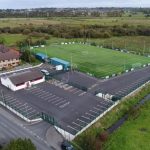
(13, 100)
(90, 115)
(60, 102)
(52, 98)
(77, 125)
(82, 121)
(33, 111)
(103, 107)
(86, 118)
(64, 105)
(82, 94)
(73, 128)
(96, 108)
(57, 100)
(94, 112)
(78, 91)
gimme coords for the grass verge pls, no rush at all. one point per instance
(88, 140)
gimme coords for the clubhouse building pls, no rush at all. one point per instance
(22, 80)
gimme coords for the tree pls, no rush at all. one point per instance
(20, 144)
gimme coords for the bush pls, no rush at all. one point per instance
(20, 144)
(26, 31)
(104, 136)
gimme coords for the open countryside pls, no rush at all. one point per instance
(74, 78)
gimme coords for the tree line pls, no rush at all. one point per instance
(81, 31)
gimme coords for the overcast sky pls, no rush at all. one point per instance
(72, 3)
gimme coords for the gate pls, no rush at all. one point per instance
(51, 120)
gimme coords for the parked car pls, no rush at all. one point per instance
(45, 72)
(66, 146)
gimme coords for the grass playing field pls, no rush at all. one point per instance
(90, 59)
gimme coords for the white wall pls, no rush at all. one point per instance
(65, 134)
(38, 81)
(7, 82)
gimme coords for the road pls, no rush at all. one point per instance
(12, 128)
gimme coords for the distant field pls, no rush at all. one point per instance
(98, 61)
(106, 21)
(11, 39)
(135, 44)
(134, 134)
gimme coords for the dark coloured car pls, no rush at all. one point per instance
(66, 146)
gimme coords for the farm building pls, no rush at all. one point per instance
(41, 56)
(8, 57)
(57, 61)
(22, 80)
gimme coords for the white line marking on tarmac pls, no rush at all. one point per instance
(73, 128)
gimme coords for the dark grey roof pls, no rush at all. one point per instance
(25, 77)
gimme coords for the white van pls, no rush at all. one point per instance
(45, 72)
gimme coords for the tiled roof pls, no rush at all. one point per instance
(8, 53)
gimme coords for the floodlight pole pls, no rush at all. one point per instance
(45, 51)
(71, 62)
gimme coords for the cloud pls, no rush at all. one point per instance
(73, 3)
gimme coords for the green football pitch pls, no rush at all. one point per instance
(100, 62)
